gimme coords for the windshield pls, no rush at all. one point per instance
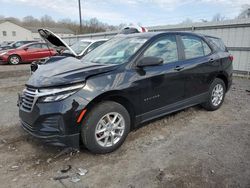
(78, 47)
(115, 51)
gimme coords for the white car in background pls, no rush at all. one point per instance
(84, 46)
(77, 50)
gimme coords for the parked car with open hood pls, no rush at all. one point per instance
(77, 50)
(128, 80)
(27, 53)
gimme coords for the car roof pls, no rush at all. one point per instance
(33, 43)
(93, 40)
(152, 34)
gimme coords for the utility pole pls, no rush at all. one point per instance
(80, 15)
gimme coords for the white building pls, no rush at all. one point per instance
(13, 32)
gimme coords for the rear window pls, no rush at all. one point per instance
(217, 43)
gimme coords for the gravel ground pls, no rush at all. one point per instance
(190, 148)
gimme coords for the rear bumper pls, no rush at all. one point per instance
(71, 140)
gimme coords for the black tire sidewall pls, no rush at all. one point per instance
(215, 82)
(90, 123)
(14, 56)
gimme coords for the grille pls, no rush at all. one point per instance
(28, 98)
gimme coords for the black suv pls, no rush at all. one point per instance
(128, 80)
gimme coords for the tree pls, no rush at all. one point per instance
(47, 21)
(13, 20)
(245, 12)
(30, 21)
(92, 25)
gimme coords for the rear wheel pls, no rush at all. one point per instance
(14, 60)
(106, 127)
(216, 95)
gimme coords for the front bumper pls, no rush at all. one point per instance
(72, 140)
(3, 60)
(55, 123)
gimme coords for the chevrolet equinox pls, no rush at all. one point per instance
(130, 79)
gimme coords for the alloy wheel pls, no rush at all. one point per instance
(14, 60)
(110, 129)
(217, 94)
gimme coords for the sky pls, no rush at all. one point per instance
(114, 12)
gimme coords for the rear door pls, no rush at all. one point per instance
(199, 65)
(46, 51)
(160, 85)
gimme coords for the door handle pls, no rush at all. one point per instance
(178, 68)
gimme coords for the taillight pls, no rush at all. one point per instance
(231, 58)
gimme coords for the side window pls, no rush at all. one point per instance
(17, 44)
(34, 46)
(165, 48)
(44, 46)
(94, 45)
(218, 43)
(194, 47)
(4, 33)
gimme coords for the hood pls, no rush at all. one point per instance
(67, 70)
(54, 40)
(3, 51)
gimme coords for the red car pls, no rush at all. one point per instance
(27, 53)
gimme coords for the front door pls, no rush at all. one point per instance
(32, 52)
(161, 86)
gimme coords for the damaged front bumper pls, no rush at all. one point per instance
(54, 123)
(72, 140)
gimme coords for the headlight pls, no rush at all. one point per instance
(3, 53)
(56, 94)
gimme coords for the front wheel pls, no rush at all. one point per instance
(106, 127)
(216, 95)
(14, 60)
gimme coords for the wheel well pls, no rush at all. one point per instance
(15, 55)
(224, 78)
(116, 98)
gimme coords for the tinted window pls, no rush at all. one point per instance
(165, 48)
(218, 43)
(194, 47)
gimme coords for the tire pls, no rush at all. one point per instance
(97, 131)
(213, 104)
(14, 60)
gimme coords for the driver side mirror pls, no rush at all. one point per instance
(25, 48)
(149, 61)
